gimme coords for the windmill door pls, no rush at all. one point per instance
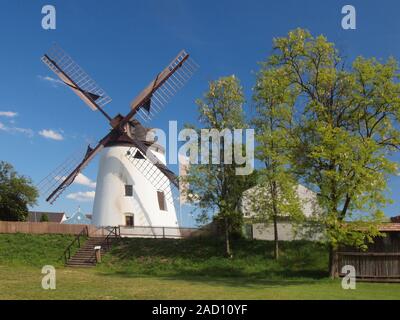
(129, 220)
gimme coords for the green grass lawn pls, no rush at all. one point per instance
(177, 269)
(33, 250)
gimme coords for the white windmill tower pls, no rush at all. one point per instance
(134, 186)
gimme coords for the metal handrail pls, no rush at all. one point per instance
(114, 232)
(84, 232)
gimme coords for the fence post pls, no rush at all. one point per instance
(163, 232)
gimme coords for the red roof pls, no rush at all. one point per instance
(387, 227)
(34, 216)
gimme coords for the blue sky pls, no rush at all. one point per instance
(123, 44)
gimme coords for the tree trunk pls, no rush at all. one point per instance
(276, 243)
(274, 194)
(333, 263)
(227, 241)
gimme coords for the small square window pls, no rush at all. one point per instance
(128, 190)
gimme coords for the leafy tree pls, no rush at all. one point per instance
(216, 185)
(44, 218)
(346, 129)
(16, 194)
(276, 194)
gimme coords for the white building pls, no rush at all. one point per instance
(78, 218)
(286, 229)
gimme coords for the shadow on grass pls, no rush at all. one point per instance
(240, 282)
(206, 248)
(202, 260)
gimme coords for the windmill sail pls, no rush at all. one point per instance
(59, 174)
(66, 181)
(76, 78)
(167, 83)
(152, 169)
(145, 151)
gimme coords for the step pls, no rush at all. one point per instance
(81, 265)
(89, 249)
(82, 260)
(83, 256)
(86, 252)
(91, 246)
(90, 252)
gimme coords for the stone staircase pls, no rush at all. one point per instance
(85, 256)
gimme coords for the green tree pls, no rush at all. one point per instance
(346, 129)
(44, 218)
(16, 194)
(217, 186)
(276, 194)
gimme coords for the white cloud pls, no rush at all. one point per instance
(54, 82)
(80, 179)
(8, 114)
(26, 131)
(51, 134)
(81, 196)
(84, 181)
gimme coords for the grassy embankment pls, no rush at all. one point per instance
(176, 269)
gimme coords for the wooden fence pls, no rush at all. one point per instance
(379, 266)
(42, 228)
(381, 262)
(75, 229)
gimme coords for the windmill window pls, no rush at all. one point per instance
(161, 201)
(128, 190)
